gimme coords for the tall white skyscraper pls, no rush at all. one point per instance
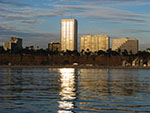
(68, 34)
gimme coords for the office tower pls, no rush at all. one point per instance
(130, 44)
(54, 46)
(68, 34)
(94, 43)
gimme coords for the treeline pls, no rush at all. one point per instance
(29, 59)
(45, 57)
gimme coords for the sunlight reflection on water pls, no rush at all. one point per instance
(69, 90)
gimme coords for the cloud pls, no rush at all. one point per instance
(28, 13)
(29, 38)
(84, 11)
(31, 21)
(109, 2)
(76, 7)
(105, 13)
(6, 10)
(9, 2)
(134, 31)
(144, 45)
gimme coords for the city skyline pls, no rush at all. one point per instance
(38, 22)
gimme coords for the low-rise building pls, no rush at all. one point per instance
(7, 46)
(14, 44)
(129, 44)
(54, 46)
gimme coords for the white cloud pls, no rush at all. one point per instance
(134, 31)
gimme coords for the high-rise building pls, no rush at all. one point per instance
(54, 46)
(129, 44)
(94, 43)
(68, 34)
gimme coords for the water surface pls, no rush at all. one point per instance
(69, 90)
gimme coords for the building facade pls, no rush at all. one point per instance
(14, 44)
(69, 34)
(7, 46)
(129, 44)
(94, 43)
(54, 46)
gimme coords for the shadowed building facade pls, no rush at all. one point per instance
(14, 44)
(68, 34)
(54, 46)
(94, 43)
(129, 44)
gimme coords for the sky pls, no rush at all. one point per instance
(37, 22)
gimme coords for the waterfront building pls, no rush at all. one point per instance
(68, 34)
(14, 44)
(148, 50)
(54, 46)
(6, 46)
(148, 63)
(129, 44)
(94, 43)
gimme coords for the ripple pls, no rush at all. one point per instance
(72, 90)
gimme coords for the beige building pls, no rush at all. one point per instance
(14, 43)
(130, 44)
(94, 42)
(54, 46)
(7, 46)
(68, 34)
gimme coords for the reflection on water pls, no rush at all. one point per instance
(107, 83)
(114, 90)
(69, 90)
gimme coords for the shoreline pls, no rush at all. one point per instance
(70, 66)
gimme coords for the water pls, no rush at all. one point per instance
(69, 90)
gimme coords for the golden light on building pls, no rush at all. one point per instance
(6, 46)
(54, 46)
(94, 42)
(130, 44)
(14, 43)
(68, 34)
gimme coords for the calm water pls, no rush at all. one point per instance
(74, 90)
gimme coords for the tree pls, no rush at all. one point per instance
(82, 52)
(119, 51)
(100, 52)
(109, 52)
(131, 53)
(125, 52)
(88, 52)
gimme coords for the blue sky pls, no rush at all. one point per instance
(38, 21)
